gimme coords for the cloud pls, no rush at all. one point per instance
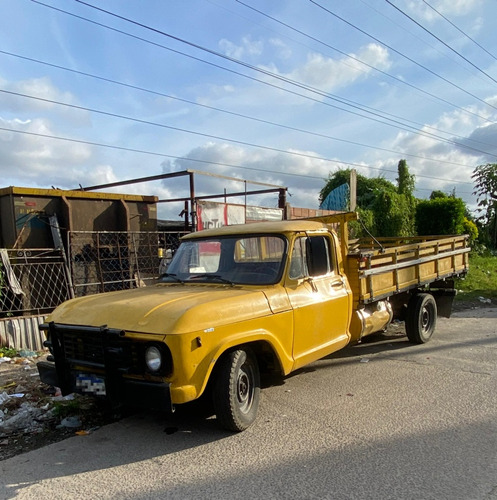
(283, 51)
(328, 74)
(309, 174)
(248, 48)
(484, 138)
(43, 91)
(451, 8)
(29, 158)
(451, 163)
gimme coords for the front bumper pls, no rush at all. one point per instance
(128, 392)
(105, 355)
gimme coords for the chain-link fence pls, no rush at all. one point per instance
(103, 261)
(32, 281)
(35, 281)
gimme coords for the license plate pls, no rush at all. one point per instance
(90, 384)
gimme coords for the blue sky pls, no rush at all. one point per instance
(283, 92)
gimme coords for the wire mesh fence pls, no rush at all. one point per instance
(35, 281)
(32, 281)
(103, 261)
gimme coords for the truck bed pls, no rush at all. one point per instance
(386, 266)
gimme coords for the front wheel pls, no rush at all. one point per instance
(421, 318)
(236, 390)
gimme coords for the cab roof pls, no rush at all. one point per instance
(260, 228)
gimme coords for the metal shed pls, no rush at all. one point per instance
(25, 212)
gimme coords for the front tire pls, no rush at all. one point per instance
(236, 390)
(421, 318)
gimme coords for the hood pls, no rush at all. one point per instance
(165, 309)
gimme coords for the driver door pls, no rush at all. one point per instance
(320, 298)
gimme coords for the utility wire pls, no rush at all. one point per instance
(398, 124)
(401, 54)
(422, 40)
(201, 134)
(441, 41)
(459, 29)
(232, 113)
(404, 82)
(322, 94)
(300, 85)
(164, 155)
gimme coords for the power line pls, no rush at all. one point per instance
(164, 155)
(441, 41)
(422, 40)
(459, 29)
(346, 102)
(401, 54)
(399, 125)
(259, 120)
(201, 134)
(404, 82)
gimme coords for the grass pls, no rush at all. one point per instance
(481, 280)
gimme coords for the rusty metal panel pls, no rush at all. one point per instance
(24, 214)
(22, 333)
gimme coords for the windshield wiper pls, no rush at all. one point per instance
(216, 277)
(173, 276)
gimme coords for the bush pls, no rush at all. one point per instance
(394, 214)
(440, 216)
(471, 229)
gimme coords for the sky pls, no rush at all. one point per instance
(280, 92)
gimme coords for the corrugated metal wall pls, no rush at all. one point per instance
(22, 333)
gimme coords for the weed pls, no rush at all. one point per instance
(8, 352)
(66, 408)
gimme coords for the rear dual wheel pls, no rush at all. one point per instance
(421, 318)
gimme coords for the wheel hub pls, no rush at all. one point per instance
(243, 387)
(425, 318)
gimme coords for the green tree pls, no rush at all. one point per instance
(437, 194)
(405, 181)
(383, 208)
(485, 177)
(367, 188)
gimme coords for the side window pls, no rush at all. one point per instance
(297, 261)
(318, 255)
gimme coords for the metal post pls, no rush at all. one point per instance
(186, 216)
(193, 204)
(353, 190)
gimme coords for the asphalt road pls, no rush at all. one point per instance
(384, 420)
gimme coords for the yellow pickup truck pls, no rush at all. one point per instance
(242, 300)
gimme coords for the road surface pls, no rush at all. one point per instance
(383, 420)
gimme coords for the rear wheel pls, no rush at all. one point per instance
(421, 318)
(236, 390)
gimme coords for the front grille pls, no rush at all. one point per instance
(87, 347)
(101, 348)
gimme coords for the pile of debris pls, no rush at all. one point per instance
(33, 414)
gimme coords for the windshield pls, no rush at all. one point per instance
(250, 260)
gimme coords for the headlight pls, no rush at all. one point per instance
(153, 358)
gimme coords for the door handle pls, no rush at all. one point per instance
(338, 283)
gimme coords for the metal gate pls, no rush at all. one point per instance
(103, 261)
(32, 281)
